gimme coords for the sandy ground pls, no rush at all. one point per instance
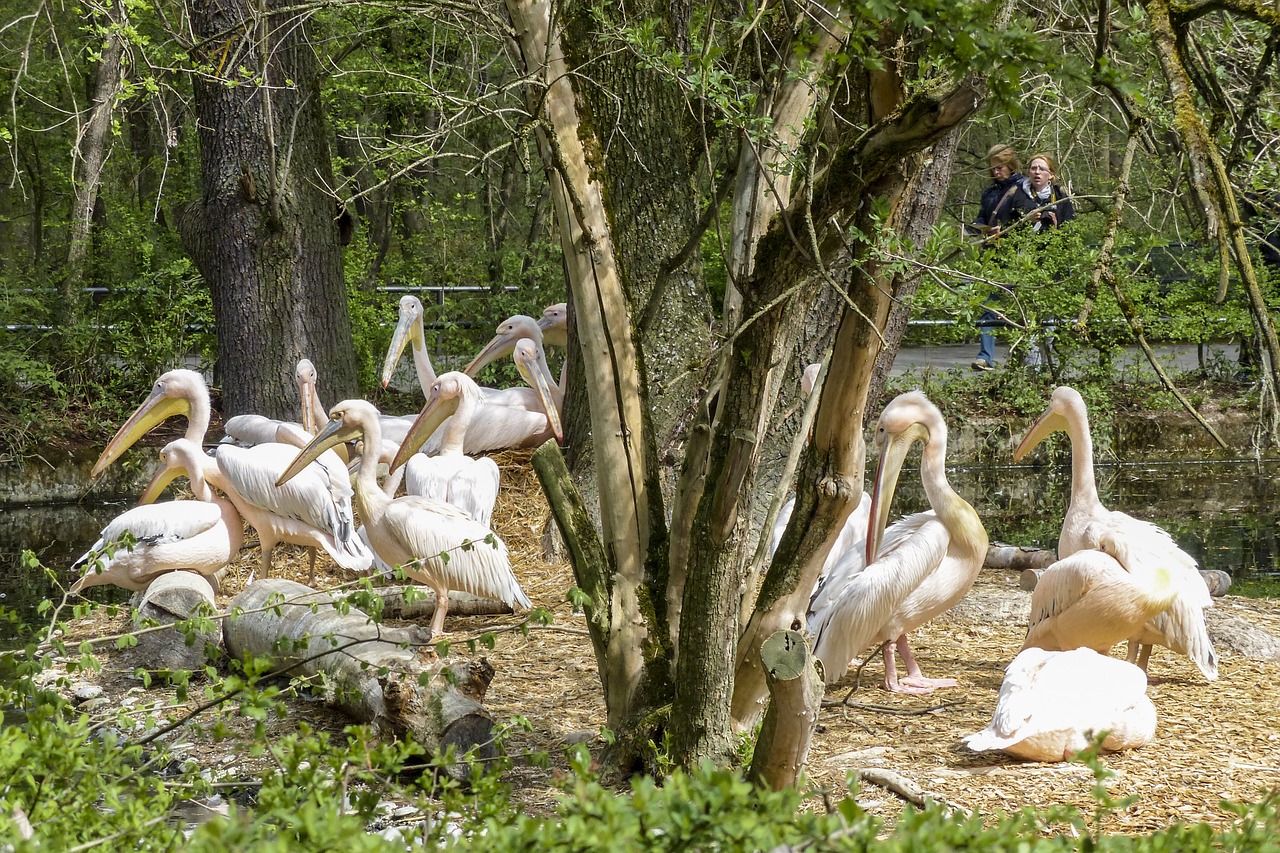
(1215, 741)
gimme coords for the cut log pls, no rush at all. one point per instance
(385, 676)
(1216, 580)
(1016, 558)
(174, 597)
(394, 605)
(796, 690)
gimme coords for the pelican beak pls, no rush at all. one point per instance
(335, 432)
(1049, 423)
(892, 455)
(502, 344)
(406, 330)
(433, 414)
(159, 483)
(536, 376)
(307, 389)
(155, 410)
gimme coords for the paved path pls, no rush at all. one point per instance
(1175, 358)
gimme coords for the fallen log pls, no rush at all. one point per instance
(1216, 580)
(171, 598)
(396, 606)
(1017, 558)
(385, 676)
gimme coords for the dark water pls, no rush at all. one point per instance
(1222, 513)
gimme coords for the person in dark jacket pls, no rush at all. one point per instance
(1004, 201)
(1053, 205)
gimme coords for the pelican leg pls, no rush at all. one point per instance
(442, 605)
(311, 568)
(915, 682)
(891, 682)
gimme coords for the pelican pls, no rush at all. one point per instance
(451, 476)
(1098, 596)
(201, 535)
(409, 331)
(926, 564)
(1052, 704)
(314, 511)
(1181, 627)
(554, 323)
(435, 543)
(249, 430)
(510, 333)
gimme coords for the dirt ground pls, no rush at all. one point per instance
(1216, 740)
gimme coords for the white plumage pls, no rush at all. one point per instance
(436, 544)
(927, 561)
(1181, 626)
(315, 512)
(201, 535)
(1052, 704)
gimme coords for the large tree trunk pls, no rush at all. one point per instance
(264, 233)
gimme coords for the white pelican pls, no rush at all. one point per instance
(926, 564)
(1052, 704)
(314, 511)
(435, 543)
(201, 535)
(409, 331)
(249, 430)
(1182, 626)
(510, 333)
(1098, 596)
(554, 323)
(468, 483)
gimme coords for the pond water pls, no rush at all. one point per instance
(1222, 513)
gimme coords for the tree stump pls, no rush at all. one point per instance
(796, 690)
(385, 676)
(174, 597)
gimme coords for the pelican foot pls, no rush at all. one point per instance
(903, 687)
(930, 683)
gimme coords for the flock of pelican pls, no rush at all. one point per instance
(1117, 579)
(291, 481)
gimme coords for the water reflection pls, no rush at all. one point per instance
(57, 534)
(1220, 512)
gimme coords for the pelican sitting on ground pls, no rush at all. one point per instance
(1182, 626)
(509, 333)
(927, 562)
(1052, 704)
(434, 543)
(315, 511)
(250, 430)
(202, 535)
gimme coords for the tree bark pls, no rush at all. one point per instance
(90, 156)
(264, 233)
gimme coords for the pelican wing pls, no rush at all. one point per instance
(167, 537)
(858, 615)
(452, 550)
(319, 497)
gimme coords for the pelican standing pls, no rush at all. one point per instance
(435, 543)
(1181, 627)
(1052, 704)
(314, 511)
(202, 535)
(927, 562)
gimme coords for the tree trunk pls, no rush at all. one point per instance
(796, 691)
(90, 157)
(264, 233)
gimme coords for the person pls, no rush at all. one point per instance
(1004, 201)
(1053, 208)
(1053, 205)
